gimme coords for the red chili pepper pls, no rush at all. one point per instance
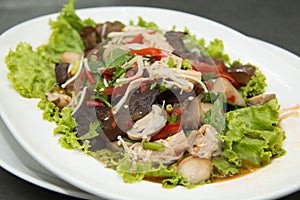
(167, 114)
(116, 91)
(108, 90)
(178, 111)
(230, 79)
(131, 72)
(138, 39)
(114, 123)
(151, 51)
(67, 101)
(89, 76)
(169, 129)
(217, 70)
(82, 75)
(94, 103)
(129, 124)
(109, 78)
(151, 32)
(206, 68)
(107, 73)
(231, 98)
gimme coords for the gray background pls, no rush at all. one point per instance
(274, 21)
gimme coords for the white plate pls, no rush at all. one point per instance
(35, 135)
(14, 158)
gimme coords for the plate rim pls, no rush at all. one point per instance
(82, 10)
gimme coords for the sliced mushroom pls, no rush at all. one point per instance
(224, 86)
(260, 99)
(180, 40)
(70, 57)
(60, 99)
(242, 73)
(195, 169)
(149, 124)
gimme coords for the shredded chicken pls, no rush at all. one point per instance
(173, 75)
(140, 64)
(148, 125)
(174, 147)
(150, 38)
(204, 142)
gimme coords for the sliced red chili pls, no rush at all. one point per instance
(178, 111)
(114, 123)
(116, 91)
(231, 98)
(108, 90)
(206, 68)
(169, 129)
(138, 39)
(107, 73)
(94, 103)
(151, 51)
(89, 76)
(109, 78)
(129, 124)
(131, 72)
(230, 79)
(217, 70)
(151, 32)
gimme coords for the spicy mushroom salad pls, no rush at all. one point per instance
(152, 104)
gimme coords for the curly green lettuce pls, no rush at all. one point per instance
(31, 74)
(252, 138)
(216, 50)
(256, 86)
(130, 172)
(32, 71)
(65, 34)
(66, 125)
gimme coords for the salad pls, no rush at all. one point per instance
(152, 104)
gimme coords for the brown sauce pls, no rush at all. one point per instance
(214, 180)
(244, 173)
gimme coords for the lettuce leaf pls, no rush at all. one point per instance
(224, 167)
(252, 137)
(215, 116)
(66, 125)
(31, 74)
(175, 181)
(142, 23)
(130, 172)
(133, 173)
(256, 86)
(66, 33)
(51, 112)
(216, 50)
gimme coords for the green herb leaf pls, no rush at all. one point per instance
(93, 132)
(117, 57)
